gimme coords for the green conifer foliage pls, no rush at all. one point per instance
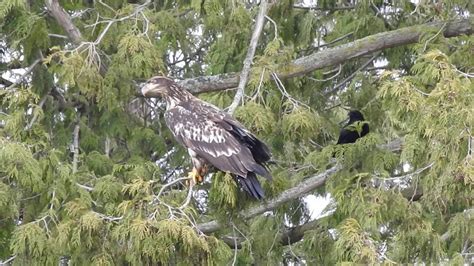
(89, 173)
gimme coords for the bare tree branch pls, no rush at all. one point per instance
(351, 76)
(303, 188)
(244, 75)
(35, 117)
(338, 54)
(28, 71)
(325, 8)
(335, 40)
(296, 233)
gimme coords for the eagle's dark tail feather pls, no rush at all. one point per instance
(251, 185)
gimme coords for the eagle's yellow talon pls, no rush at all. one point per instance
(194, 178)
(199, 179)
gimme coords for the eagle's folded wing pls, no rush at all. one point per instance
(211, 141)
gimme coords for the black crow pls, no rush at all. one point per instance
(356, 128)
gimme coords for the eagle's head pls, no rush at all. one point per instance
(157, 86)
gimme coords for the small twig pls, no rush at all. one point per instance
(419, 91)
(277, 234)
(332, 77)
(51, 205)
(274, 26)
(336, 40)
(57, 36)
(85, 187)
(350, 77)
(29, 198)
(147, 26)
(235, 246)
(434, 36)
(408, 175)
(285, 93)
(27, 72)
(257, 92)
(107, 6)
(468, 75)
(244, 74)
(188, 197)
(7, 261)
(35, 117)
(157, 197)
(291, 251)
(414, 191)
(138, 10)
(325, 8)
(75, 144)
(244, 236)
(108, 218)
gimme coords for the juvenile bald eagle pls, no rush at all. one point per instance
(211, 136)
(356, 128)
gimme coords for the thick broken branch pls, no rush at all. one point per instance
(300, 190)
(338, 54)
(64, 20)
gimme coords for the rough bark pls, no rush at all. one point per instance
(339, 54)
(64, 20)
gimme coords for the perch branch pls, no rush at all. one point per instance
(292, 193)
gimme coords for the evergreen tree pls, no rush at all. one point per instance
(89, 174)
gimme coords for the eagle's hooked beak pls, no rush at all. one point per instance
(157, 86)
(143, 88)
(151, 90)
